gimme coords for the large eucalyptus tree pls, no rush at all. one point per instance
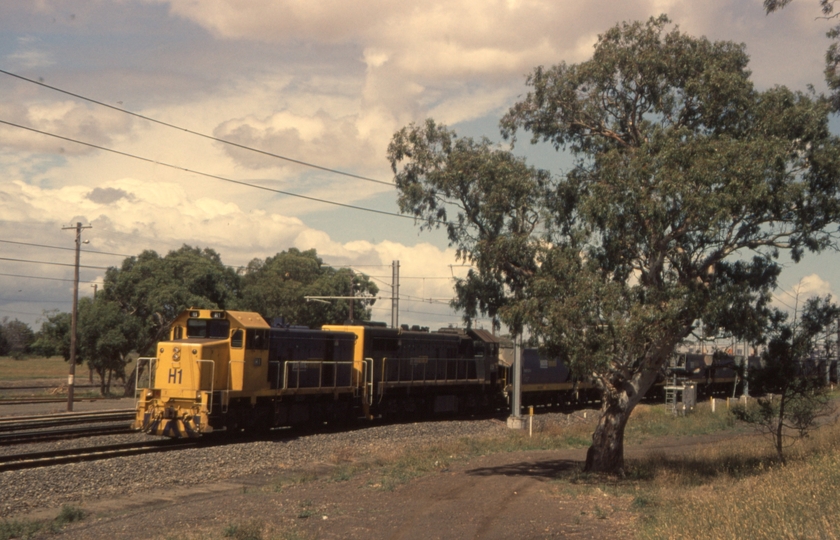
(688, 183)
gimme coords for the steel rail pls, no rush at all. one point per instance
(32, 460)
(60, 434)
(17, 423)
(37, 400)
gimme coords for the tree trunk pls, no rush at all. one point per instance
(131, 383)
(101, 373)
(780, 426)
(606, 455)
(620, 397)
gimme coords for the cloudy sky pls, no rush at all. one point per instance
(325, 82)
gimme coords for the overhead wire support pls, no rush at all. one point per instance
(196, 133)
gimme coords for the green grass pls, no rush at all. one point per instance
(393, 471)
(27, 529)
(649, 422)
(389, 471)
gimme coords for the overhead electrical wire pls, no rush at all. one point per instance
(53, 263)
(207, 175)
(407, 298)
(45, 278)
(235, 267)
(196, 133)
(20, 312)
(9, 300)
(183, 169)
(65, 248)
(446, 315)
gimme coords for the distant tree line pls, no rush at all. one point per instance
(15, 338)
(141, 298)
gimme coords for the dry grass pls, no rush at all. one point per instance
(27, 529)
(52, 372)
(34, 368)
(737, 490)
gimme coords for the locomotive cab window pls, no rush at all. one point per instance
(178, 333)
(236, 339)
(256, 339)
(197, 328)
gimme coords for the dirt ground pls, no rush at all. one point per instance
(498, 496)
(510, 495)
(523, 495)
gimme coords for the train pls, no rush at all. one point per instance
(226, 370)
(231, 371)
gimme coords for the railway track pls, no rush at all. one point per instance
(38, 400)
(31, 460)
(25, 429)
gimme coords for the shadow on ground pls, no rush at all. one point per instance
(541, 469)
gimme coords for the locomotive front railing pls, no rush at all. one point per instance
(137, 387)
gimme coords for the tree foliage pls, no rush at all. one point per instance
(53, 339)
(155, 289)
(795, 393)
(687, 184)
(832, 54)
(106, 336)
(5, 346)
(276, 287)
(17, 336)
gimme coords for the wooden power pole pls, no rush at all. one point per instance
(74, 316)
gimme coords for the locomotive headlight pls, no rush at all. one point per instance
(176, 353)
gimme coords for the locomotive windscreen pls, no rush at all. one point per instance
(215, 328)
